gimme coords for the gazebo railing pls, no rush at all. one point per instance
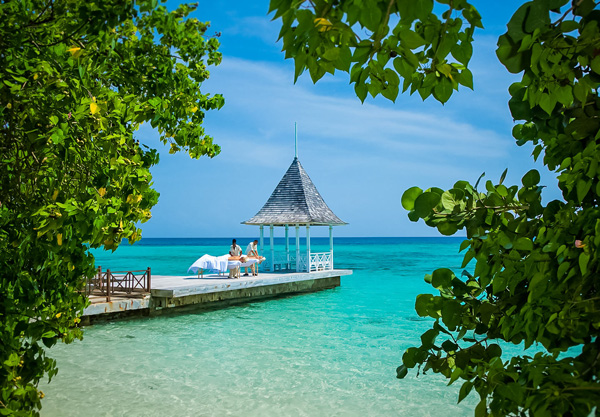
(321, 261)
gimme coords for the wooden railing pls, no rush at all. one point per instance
(119, 283)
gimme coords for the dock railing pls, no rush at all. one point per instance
(119, 283)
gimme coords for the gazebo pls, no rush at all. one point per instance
(296, 202)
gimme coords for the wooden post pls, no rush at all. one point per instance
(297, 248)
(149, 279)
(287, 247)
(308, 248)
(97, 281)
(108, 282)
(331, 246)
(272, 248)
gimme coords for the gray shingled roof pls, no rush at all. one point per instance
(295, 201)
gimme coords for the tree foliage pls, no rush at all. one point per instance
(535, 277)
(77, 80)
(384, 45)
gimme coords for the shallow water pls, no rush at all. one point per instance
(332, 353)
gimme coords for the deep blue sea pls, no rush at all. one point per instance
(331, 353)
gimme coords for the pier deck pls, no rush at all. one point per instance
(173, 293)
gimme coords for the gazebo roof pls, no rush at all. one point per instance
(295, 200)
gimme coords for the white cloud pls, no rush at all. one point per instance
(266, 103)
(360, 156)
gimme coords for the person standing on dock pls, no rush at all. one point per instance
(235, 249)
(252, 252)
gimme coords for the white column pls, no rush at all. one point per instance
(331, 244)
(287, 247)
(262, 243)
(308, 248)
(272, 249)
(297, 248)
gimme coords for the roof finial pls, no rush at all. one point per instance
(295, 140)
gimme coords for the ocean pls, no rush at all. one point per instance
(331, 353)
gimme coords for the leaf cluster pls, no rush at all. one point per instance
(77, 80)
(531, 268)
(386, 46)
(535, 266)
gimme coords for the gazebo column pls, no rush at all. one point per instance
(287, 247)
(308, 248)
(297, 248)
(331, 246)
(272, 248)
(262, 240)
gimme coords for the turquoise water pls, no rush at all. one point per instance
(332, 353)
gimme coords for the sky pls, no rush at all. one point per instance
(361, 157)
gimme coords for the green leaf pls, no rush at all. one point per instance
(371, 16)
(595, 65)
(331, 54)
(538, 16)
(428, 338)
(451, 198)
(411, 39)
(465, 389)
(523, 243)
(424, 304)
(424, 203)
(361, 91)
(516, 24)
(584, 259)
(507, 53)
(466, 78)
(447, 228)
(451, 314)
(462, 52)
(503, 176)
(493, 350)
(443, 90)
(531, 179)
(464, 245)
(441, 278)
(583, 188)
(401, 371)
(13, 360)
(409, 197)
(548, 102)
(409, 358)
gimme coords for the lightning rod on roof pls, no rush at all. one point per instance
(295, 140)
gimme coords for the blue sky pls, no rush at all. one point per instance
(361, 157)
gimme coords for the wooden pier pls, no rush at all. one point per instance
(181, 293)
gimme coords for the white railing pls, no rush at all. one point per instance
(321, 261)
(302, 264)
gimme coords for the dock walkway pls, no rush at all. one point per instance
(174, 293)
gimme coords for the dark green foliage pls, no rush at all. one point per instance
(535, 278)
(76, 80)
(535, 275)
(406, 44)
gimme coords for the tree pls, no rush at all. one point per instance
(77, 80)
(536, 265)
